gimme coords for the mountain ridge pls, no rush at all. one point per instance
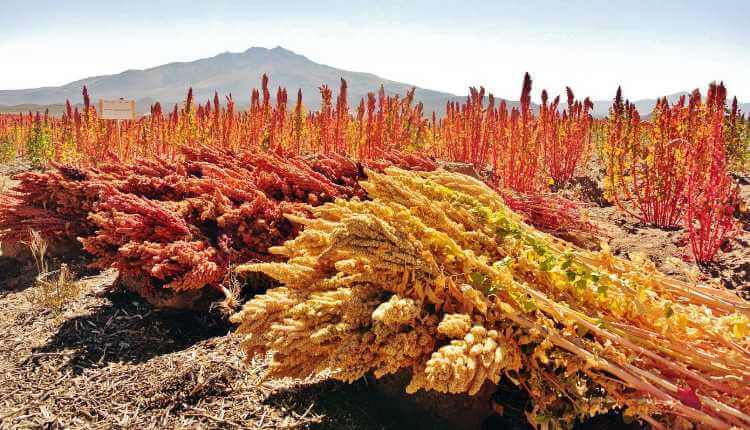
(237, 73)
(225, 73)
(646, 106)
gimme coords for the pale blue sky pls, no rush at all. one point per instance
(651, 48)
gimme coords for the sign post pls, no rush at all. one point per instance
(117, 110)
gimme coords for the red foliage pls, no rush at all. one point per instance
(17, 219)
(517, 157)
(215, 208)
(688, 397)
(565, 138)
(648, 173)
(711, 194)
(54, 203)
(471, 129)
(674, 170)
(515, 143)
(549, 212)
(179, 224)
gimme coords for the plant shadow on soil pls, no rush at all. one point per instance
(9, 268)
(18, 271)
(126, 329)
(14, 274)
(351, 406)
(361, 406)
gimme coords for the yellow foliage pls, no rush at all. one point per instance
(436, 275)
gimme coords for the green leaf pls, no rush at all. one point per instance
(571, 275)
(525, 302)
(546, 265)
(492, 289)
(505, 262)
(567, 262)
(602, 289)
(477, 279)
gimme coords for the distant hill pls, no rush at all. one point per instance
(646, 106)
(235, 73)
(54, 109)
(238, 74)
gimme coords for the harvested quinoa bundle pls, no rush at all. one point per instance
(178, 224)
(436, 275)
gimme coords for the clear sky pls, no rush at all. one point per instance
(651, 48)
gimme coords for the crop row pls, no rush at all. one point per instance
(672, 170)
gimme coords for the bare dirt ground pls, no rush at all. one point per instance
(668, 249)
(110, 361)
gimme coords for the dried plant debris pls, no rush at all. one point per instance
(111, 361)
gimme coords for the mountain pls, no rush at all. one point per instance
(235, 73)
(54, 109)
(646, 106)
(238, 73)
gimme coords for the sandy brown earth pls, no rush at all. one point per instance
(669, 249)
(111, 361)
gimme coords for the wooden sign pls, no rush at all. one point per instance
(117, 109)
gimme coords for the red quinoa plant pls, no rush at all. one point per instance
(673, 170)
(646, 163)
(711, 193)
(516, 160)
(566, 137)
(737, 136)
(518, 145)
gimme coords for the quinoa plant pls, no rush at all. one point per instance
(39, 146)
